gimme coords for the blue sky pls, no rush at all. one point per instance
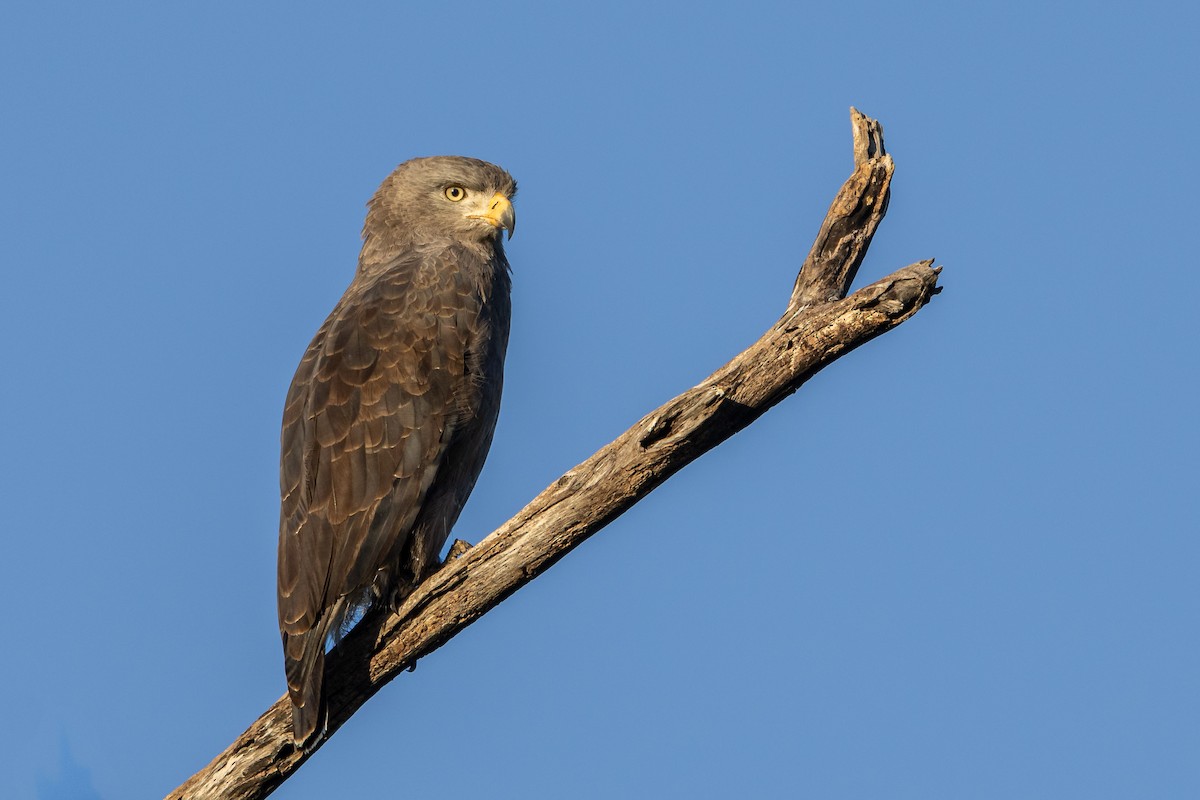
(961, 562)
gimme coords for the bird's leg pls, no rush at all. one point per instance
(457, 549)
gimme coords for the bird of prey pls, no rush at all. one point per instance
(391, 412)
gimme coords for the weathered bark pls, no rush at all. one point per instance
(820, 325)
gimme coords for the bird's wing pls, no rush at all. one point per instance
(369, 415)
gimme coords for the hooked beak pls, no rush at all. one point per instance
(499, 214)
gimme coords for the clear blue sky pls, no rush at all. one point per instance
(962, 562)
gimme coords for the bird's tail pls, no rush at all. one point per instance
(304, 663)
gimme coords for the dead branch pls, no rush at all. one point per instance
(819, 326)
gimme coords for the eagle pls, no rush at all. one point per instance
(391, 412)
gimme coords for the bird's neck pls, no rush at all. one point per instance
(380, 254)
(380, 249)
(391, 231)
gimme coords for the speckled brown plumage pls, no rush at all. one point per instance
(391, 412)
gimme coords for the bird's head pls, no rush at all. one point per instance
(427, 200)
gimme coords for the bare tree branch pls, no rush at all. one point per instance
(856, 212)
(819, 326)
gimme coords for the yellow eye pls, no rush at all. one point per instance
(455, 193)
